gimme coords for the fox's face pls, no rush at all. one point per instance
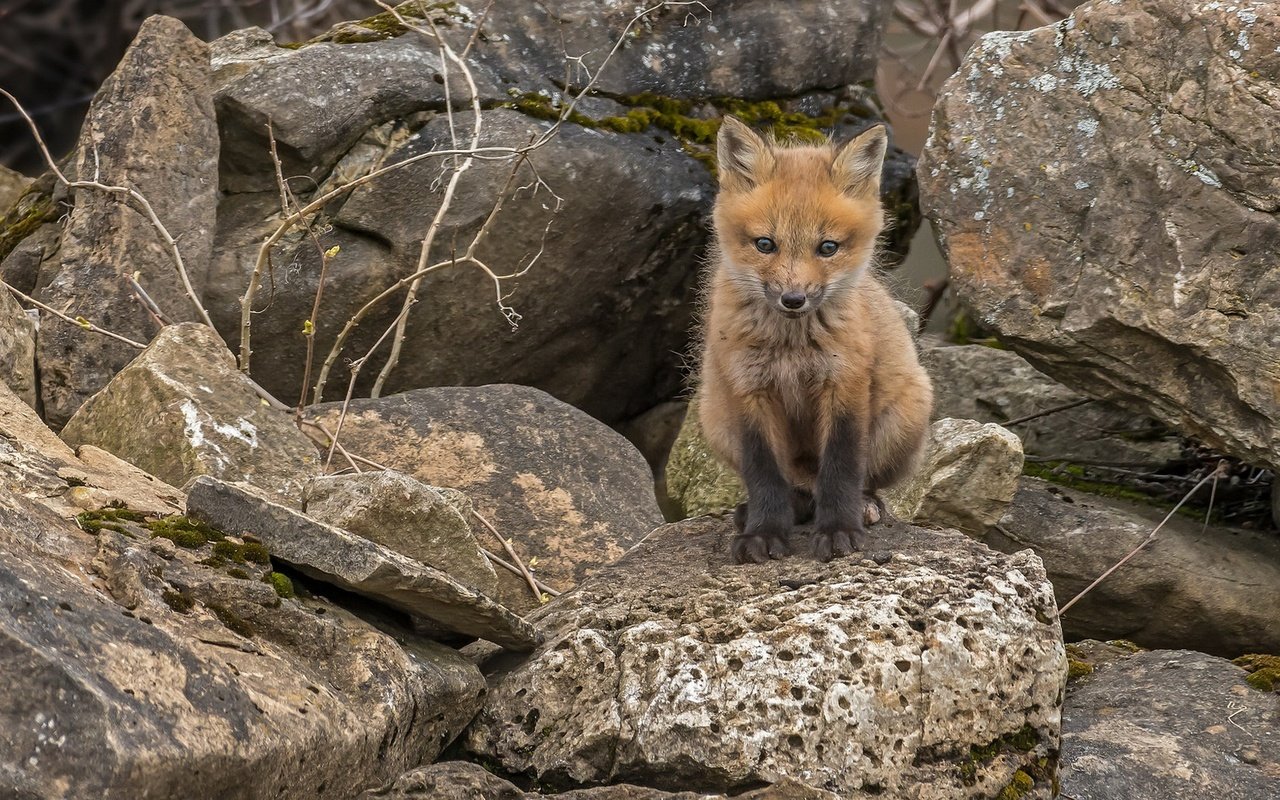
(797, 226)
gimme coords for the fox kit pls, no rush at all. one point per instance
(810, 386)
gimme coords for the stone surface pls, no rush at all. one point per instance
(17, 349)
(856, 678)
(563, 487)
(135, 671)
(1211, 589)
(654, 432)
(965, 479)
(152, 128)
(1173, 725)
(181, 409)
(406, 515)
(697, 482)
(462, 780)
(334, 556)
(12, 185)
(1105, 192)
(993, 385)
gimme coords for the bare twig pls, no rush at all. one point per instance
(528, 576)
(507, 565)
(1046, 412)
(79, 322)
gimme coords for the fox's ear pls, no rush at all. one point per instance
(742, 157)
(857, 167)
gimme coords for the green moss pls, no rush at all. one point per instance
(281, 583)
(1025, 739)
(539, 106)
(229, 551)
(32, 210)
(384, 26)
(236, 572)
(183, 531)
(1264, 671)
(696, 480)
(1125, 644)
(108, 519)
(213, 561)
(178, 601)
(1018, 786)
(233, 621)
(256, 553)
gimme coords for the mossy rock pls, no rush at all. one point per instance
(696, 480)
(1264, 671)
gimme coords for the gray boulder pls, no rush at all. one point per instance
(181, 409)
(1169, 724)
(1105, 192)
(17, 349)
(941, 667)
(1212, 589)
(135, 669)
(12, 185)
(406, 515)
(150, 127)
(566, 489)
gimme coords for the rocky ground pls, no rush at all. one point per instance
(464, 587)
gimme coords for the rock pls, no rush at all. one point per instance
(565, 488)
(151, 127)
(942, 668)
(136, 675)
(993, 385)
(12, 185)
(408, 516)
(17, 349)
(966, 478)
(1211, 589)
(461, 780)
(1169, 724)
(181, 409)
(697, 482)
(334, 556)
(101, 480)
(1111, 213)
(655, 431)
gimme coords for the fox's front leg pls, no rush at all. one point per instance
(769, 516)
(839, 499)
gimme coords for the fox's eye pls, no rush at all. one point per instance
(766, 245)
(828, 248)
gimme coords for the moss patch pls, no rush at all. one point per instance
(233, 621)
(178, 601)
(1264, 671)
(1018, 786)
(281, 583)
(33, 209)
(381, 27)
(1125, 644)
(1023, 740)
(183, 531)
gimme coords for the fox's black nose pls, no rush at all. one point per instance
(793, 300)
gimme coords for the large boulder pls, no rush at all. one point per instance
(17, 349)
(134, 668)
(151, 127)
(939, 671)
(181, 409)
(12, 185)
(564, 488)
(1212, 588)
(1105, 192)
(1169, 724)
(993, 385)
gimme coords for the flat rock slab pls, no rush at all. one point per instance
(939, 672)
(335, 556)
(1173, 725)
(1213, 589)
(1105, 190)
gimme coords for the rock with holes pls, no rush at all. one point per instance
(1212, 589)
(934, 672)
(1170, 724)
(462, 780)
(569, 493)
(134, 668)
(1106, 189)
(422, 522)
(151, 128)
(181, 409)
(966, 477)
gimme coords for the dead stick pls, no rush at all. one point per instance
(1048, 411)
(533, 585)
(507, 565)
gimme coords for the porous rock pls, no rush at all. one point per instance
(181, 409)
(134, 674)
(563, 487)
(406, 515)
(1105, 190)
(151, 128)
(335, 556)
(993, 385)
(1172, 724)
(966, 477)
(1212, 588)
(939, 672)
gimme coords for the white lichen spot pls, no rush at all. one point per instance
(1008, 192)
(1089, 127)
(1082, 185)
(1044, 83)
(1206, 175)
(979, 215)
(191, 418)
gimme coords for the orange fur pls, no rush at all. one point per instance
(852, 355)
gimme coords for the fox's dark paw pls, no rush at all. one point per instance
(740, 517)
(757, 548)
(835, 544)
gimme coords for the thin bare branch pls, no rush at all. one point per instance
(79, 322)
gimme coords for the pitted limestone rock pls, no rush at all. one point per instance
(940, 672)
(966, 478)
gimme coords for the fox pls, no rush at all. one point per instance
(810, 387)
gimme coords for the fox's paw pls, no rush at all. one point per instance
(757, 548)
(836, 544)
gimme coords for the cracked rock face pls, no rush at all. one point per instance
(941, 670)
(1106, 189)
